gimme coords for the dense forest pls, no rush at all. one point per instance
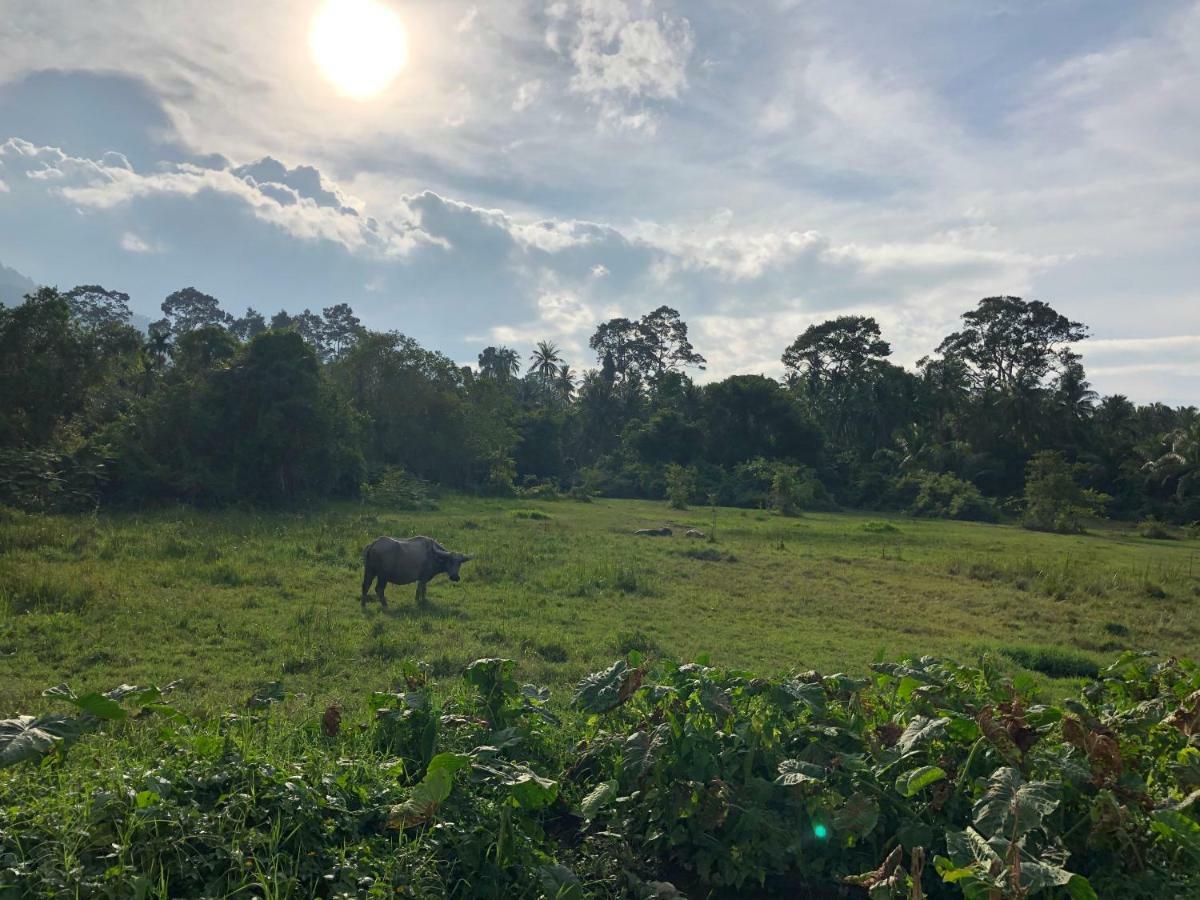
(211, 409)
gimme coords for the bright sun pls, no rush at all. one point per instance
(359, 45)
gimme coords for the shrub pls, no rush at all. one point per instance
(681, 484)
(397, 489)
(538, 490)
(1054, 500)
(942, 496)
(879, 528)
(1155, 530)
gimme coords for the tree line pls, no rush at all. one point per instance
(209, 408)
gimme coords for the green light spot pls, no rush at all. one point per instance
(821, 832)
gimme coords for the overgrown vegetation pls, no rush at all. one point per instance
(925, 779)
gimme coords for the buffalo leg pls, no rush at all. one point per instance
(368, 577)
(379, 586)
(421, 592)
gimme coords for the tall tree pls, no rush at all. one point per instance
(342, 329)
(499, 363)
(649, 348)
(94, 306)
(189, 308)
(250, 325)
(564, 383)
(544, 360)
(1009, 343)
(845, 349)
(664, 345)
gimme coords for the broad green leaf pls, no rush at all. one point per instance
(810, 693)
(1079, 888)
(857, 816)
(100, 706)
(424, 800)
(1179, 830)
(1011, 807)
(640, 752)
(145, 799)
(535, 693)
(432, 790)
(60, 692)
(532, 791)
(797, 771)
(560, 883)
(921, 730)
(970, 848)
(29, 737)
(492, 676)
(716, 700)
(598, 799)
(528, 789)
(961, 728)
(603, 691)
(911, 783)
(1037, 875)
(448, 762)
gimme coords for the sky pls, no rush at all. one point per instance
(539, 167)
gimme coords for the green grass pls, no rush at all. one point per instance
(228, 600)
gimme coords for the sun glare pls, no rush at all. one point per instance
(359, 45)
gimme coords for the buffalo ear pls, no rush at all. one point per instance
(466, 559)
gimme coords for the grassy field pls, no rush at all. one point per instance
(227, 600)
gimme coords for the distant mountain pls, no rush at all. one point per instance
(14, 286)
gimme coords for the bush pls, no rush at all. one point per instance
(1155, 530)
(397, 489)
(942, 496)
(1054, 500)
(681, 484)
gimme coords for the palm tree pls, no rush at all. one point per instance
(545, 360)
(1180, 464)
(499, 363)
(565, 382)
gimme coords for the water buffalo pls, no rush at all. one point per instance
(418, 559)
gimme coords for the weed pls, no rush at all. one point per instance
(880, 528)
(45, 593)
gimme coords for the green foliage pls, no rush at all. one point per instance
(1054, 500)
(1154, 530)
(724, 782)
(681, 484)
(944, 496)
(394, 488)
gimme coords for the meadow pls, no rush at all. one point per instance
(591, 713)
(223, 601)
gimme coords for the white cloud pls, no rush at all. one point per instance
(623, 59)
(526, 96)
(98, 185)
(134, 244)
